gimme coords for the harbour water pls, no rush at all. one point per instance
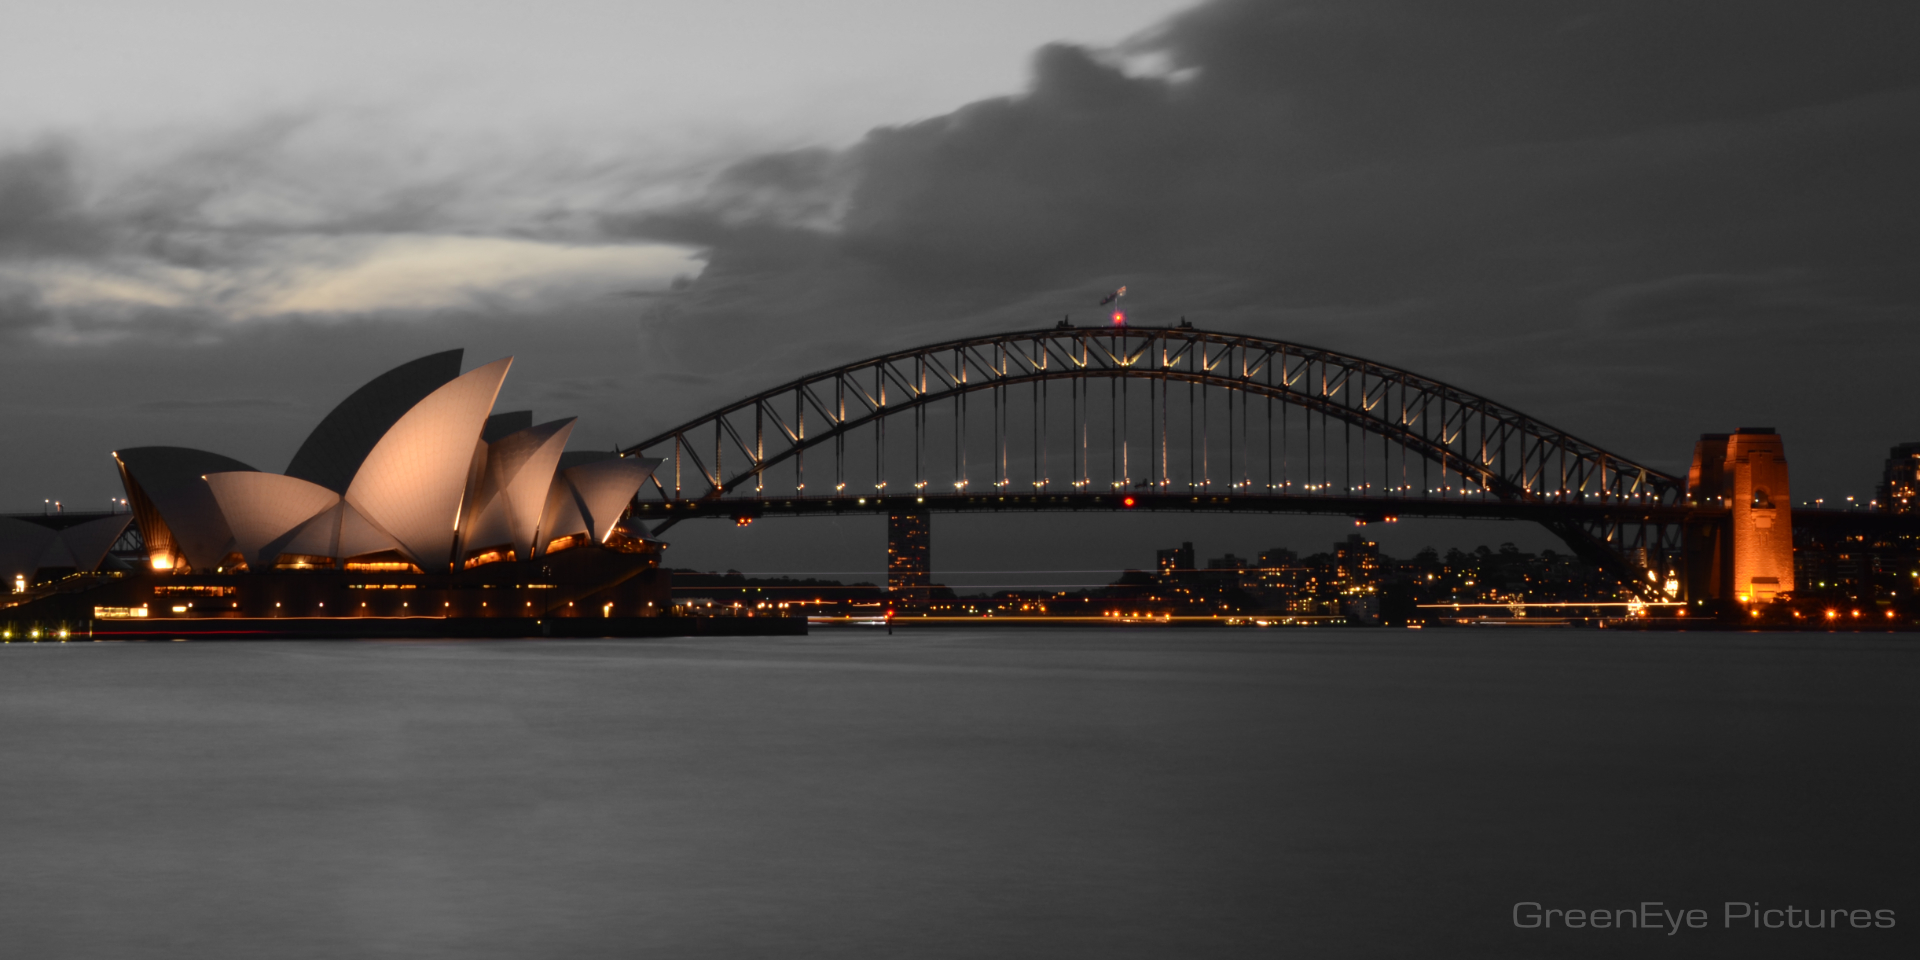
(955, 793)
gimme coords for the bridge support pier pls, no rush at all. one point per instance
(1744, 561)
(909, 558)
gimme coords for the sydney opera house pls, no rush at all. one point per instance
(412, 498)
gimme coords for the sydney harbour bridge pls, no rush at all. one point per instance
(1161, 419)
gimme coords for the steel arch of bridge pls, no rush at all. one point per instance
(1484, 451)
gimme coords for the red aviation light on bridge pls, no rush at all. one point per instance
(1119, 318)
(1127, 502)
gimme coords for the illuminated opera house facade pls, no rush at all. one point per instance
(413, 497)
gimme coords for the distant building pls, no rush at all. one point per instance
(1174, 559)
(1900, 483)
(1356, 564)
(1228, 562)
(1280, 581)
(909, 564)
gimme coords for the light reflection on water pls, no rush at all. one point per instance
(938, 793)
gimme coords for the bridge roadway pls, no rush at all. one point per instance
(662, 513)
(1363, 509)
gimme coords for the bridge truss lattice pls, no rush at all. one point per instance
(1084, 418)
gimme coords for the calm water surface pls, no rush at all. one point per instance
(1003, 793)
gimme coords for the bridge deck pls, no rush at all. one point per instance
(1363, 508)
(1366, 509)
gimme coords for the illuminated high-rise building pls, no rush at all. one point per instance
(1900, 483)
(909, 560)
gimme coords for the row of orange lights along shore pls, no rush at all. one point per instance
(1831, 614)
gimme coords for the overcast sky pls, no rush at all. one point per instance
(1636, 221)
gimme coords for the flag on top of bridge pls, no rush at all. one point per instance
(1111, 297)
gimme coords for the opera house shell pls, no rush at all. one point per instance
(414, 471)
(413, 475)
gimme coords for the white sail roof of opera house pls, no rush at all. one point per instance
(272, 514)
(511, 502)
(334, 451)
(416, 477)
(589, 498)
(413, 466)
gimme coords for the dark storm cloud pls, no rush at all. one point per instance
(1350, 150)
(165, 214)
(160, 212)
(41, 210)
(20, 311)
(212, 201)
(1635, 219)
